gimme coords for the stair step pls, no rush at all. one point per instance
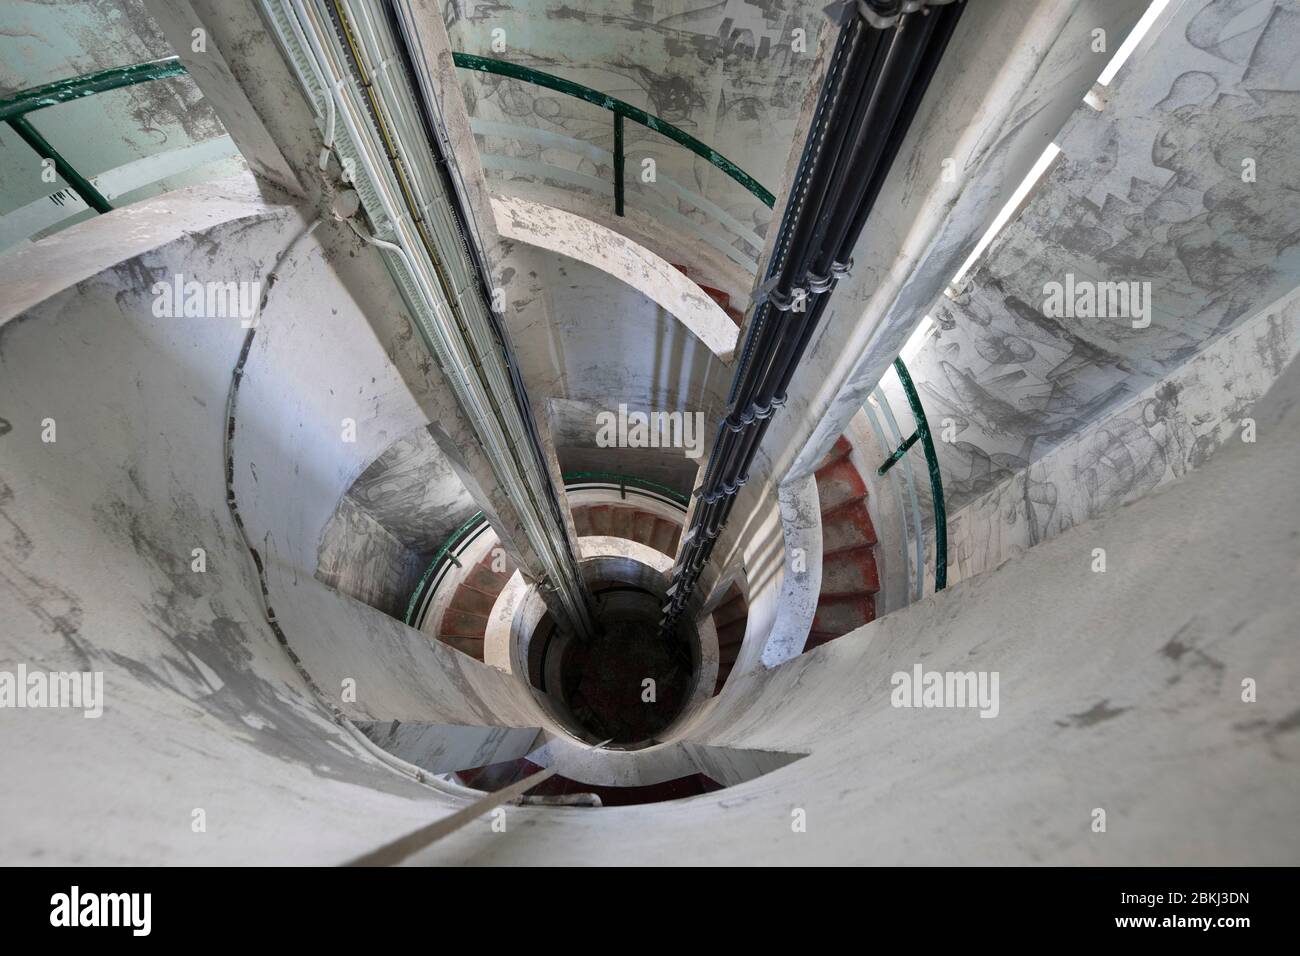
(602, 519)
(847, 506)
(839, 483)
(483, 578)
(643, 527)
(733, 633)
(848, 572)
(456, 623)
(841, 449)
(734, 609)
(846, 529)
(473, 646)
(840, 614)
(664, 536)
(472, 601)
(621, 522)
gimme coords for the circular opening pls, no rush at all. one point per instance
(629, 682)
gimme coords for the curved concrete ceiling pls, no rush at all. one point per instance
(622, 259)
(1151, 191)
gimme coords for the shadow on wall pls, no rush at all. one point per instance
(390, 522)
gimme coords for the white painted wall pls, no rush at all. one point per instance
(1118, 690)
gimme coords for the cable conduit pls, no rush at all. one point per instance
(872, 91)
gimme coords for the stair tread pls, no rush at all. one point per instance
(849, 549)
(845, 595)
(602, 519)
(844, 507)
(470, 646)
(664, 536)
(466, 586)
(841, 449)
(643, 525)
(461, 610)
(849, 572)
(839, 615)
(733, 633)
(730, 612)
(621, 522)
(850, 529)
(838, 483)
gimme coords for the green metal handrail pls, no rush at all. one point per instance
(578, 477)
(439, 556)
(61, 91)
(570, 478)
(621, 110)
(14, 110)
(922, 434)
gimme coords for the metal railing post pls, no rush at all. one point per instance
(484, 64)
(14, 110)
(936, 480)
(79, 183)
(618, 164)
(898, 454)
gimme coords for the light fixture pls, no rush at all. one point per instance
(1005, 214)
(1131, 41)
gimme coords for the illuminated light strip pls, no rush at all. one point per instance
(1004, 216)
(917, 339)
(1095, 98)
(1130, 43)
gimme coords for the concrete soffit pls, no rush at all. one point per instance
(36, 271)
(623, 260)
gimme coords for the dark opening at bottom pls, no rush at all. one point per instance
(629, 683)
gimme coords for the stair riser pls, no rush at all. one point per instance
(850, 573)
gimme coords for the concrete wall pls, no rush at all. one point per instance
(1119, 690)
(1150, 189)
(732, 74)
(204, 708)
(592, 334)
(1171, 429)
(727, 73)
(42, 43)
(392, 520)
(413, 491)
(362, 558)
(1012, 75)
(583, 335)
(1129, 701)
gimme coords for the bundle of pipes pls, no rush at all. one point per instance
(884, 57)
(361, 66)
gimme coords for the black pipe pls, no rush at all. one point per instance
(904, 55)
(869, 98)
(943, 31)
(882, 52)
